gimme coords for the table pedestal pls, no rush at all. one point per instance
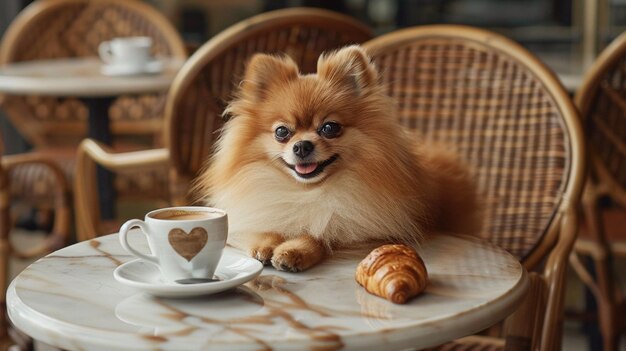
(99, 129)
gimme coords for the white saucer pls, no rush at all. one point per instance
(233, 270)
(151, 67)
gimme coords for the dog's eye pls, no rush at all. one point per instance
(330, 130)
(281, 133)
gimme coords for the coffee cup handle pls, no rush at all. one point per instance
(124, 239)
(104, 50)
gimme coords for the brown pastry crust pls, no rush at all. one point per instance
(394, 272)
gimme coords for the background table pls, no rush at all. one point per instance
(70, 299)
(81, 78)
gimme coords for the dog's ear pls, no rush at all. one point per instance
(350, 66)
(264, 71)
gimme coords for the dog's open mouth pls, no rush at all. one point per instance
(311, 170)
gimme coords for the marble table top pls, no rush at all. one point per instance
(70, 299)
(80, 77)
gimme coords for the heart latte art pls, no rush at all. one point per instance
(188, 245)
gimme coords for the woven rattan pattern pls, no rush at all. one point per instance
(605, 123)
(213, 87)
(33, 183)
(500, 120)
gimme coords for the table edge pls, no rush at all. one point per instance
(22, 317)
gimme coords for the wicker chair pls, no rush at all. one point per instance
(602, 104)
(58, 238)
(200, 93)
(506, 114)
(49, 29)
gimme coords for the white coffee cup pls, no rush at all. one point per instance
(128, 51)
(185, 242)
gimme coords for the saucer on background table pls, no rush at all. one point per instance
(233, 270)
(116, 69)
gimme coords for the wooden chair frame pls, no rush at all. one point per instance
(56, 240)
(601, 184)
(541, 330)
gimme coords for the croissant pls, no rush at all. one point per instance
(394, 272)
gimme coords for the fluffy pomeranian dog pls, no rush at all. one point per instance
(311, 163)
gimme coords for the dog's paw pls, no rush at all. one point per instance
(263, 254)
(262, 245)
(291, 260)
(297, 255)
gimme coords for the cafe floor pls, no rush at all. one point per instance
(575, 339)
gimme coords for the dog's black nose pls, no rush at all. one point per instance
(303, 148)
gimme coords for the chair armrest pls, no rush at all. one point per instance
(103, 156)
(62, 206)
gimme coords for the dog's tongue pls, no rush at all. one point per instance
(306, 168)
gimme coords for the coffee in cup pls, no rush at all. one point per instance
(177, 215)
(127, 51)
(185, 242)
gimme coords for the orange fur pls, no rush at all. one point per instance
(377, 189)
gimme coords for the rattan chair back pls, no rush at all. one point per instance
(50, 29)
(204, 85)
(601, 100)
(503, 112)
(602, 103)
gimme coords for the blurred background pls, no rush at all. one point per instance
(565, 34)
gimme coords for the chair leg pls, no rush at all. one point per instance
(605, 295)
(522, 329)
(607, 306)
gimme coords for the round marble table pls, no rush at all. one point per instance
(70, 299)
(82, 78)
